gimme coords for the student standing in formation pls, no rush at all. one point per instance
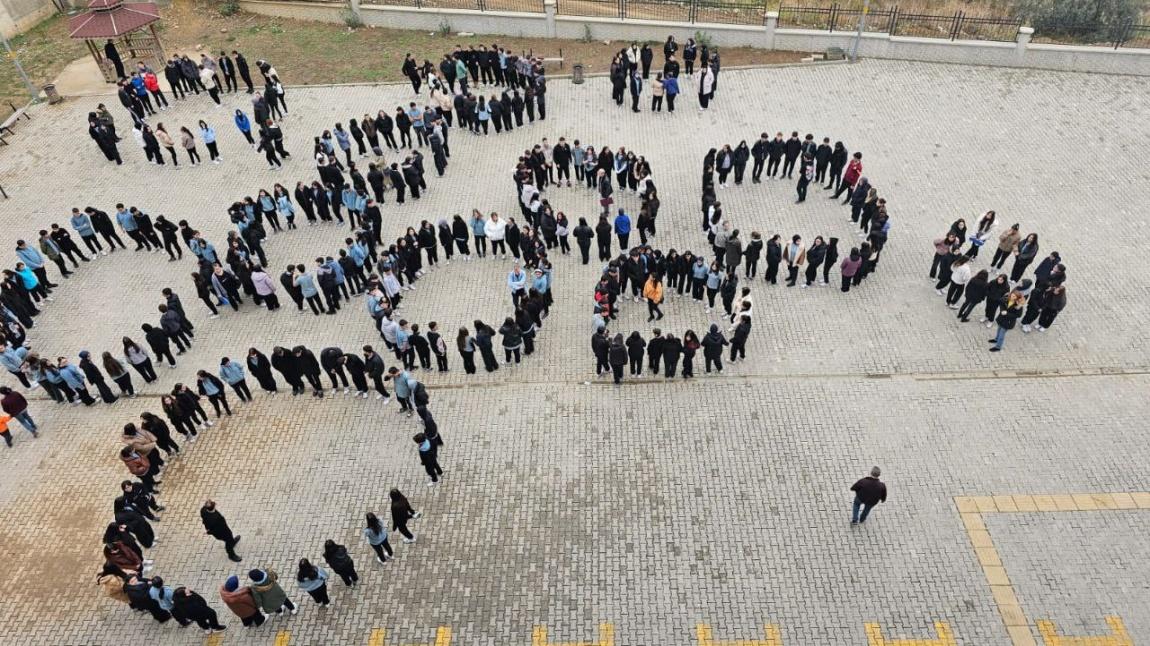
(376, 535)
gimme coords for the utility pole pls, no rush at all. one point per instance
(858, 35)
(32, 91)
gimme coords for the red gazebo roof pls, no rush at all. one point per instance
(112, 18)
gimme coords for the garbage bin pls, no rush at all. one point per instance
(577, 73)
(50, 92)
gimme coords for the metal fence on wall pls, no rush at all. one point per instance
(959, 25)
(731, 12)
(897, 23)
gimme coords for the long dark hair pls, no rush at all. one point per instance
(306, 570)
(373, 523)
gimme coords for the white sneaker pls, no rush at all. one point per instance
(409, 540)
(940, 292)
(822, 283)
(1026, 329)
(103, 253)
(804, 286)
(214, 316)
(953, 307)
(346, 390)
(989, 324)
(1040, 328)
(209, 423)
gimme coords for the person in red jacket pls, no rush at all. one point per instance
(152, 84)
(869, 492)
(850, 176)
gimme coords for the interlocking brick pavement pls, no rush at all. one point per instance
(656, 506)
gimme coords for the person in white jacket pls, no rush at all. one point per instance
(496, 232)
(959, 276)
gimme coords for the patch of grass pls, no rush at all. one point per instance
(44, 50)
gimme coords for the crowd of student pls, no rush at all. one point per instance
(1008, 297)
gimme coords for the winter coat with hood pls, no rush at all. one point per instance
(266, 590)
(713, 343)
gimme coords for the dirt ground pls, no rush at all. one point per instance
(307, 52)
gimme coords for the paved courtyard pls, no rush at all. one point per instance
(705, 512)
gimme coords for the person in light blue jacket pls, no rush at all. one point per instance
(517, 284)
(34, 261)
(698, 279)
(13, 361)
(376, 535)
(340, 277)
(306, 284)
(313, 580)
(82, 225)
(267, 204)
(404, 387)
(208, 134)
(477, 230)
(714, 280)
(128, 224)
(75, 380)
(349, 199)
(202, 248)
(163, 595)
(283, 203)
(233, 373)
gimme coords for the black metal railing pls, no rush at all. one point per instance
(898, 23)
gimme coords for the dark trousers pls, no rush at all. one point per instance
(383, 550)
(320, 595)
(999, 259)
(220, 399)
(242, 390)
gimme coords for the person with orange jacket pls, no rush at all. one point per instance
(653, 292)
(241, 602)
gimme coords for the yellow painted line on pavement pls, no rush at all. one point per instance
(1117, 637)
(283, 638)
(379, 637)
(606, 637)
(945, 637)
(971, 510)
(773, 637)
(215, 639)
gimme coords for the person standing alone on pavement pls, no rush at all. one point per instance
(869, 492)
(216, 526)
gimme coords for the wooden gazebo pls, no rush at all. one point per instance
(129, 26)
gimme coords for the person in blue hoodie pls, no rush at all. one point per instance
(245, 126)
(34, 260)
(233, 373)
(623, 229)
(32, 284)
(306, 284)
(75, 380)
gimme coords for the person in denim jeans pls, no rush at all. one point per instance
(14, 404)
(869, 492)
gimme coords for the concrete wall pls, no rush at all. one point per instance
(1022, 53)
(19, 15)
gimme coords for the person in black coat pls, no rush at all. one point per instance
(261, 369)
(158, 340)
(655, 350)
(600, 346)
(340, 562)
(358, 371)
(713, 344)
(838, 162)
(792, 148)
(309, 367)
(96, 378)
(216, 526)
(287, 279)
(187, 606)
(242, 68)
(374, 366)
(617, 357)
(286, 363)
(635, 349)
(739, 338)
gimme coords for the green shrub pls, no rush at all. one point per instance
(229, 8)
